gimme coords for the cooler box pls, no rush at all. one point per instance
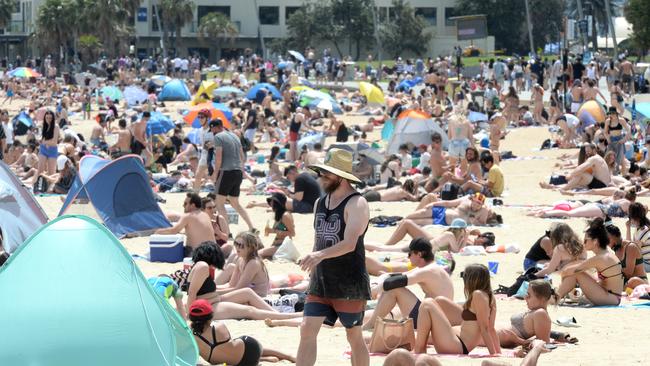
(233, 216)
(166, 248)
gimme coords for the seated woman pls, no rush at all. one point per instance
(406, 191)
(216, 346)
(237, 304)
(283, 225)
(567, 248)
(639, 219)
(606, 289)
(630, 256)
(219, 224)
(540, 252)
(249, 270)
(478, 318)
(453, 239)
(607, 207)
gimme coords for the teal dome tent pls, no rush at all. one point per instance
(72, 295)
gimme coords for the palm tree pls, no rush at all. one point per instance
(217, 25)
(108, 20)
(6, 8)
(55, 26)
(175, 14)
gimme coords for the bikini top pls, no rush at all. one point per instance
(602, 277)
(214, 344)
(467, 315)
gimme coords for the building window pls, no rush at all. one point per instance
(17, 6)
(154, 19)
(429, 14)
(269, 15)
(289, 10)
(450, 13)
(202, 11)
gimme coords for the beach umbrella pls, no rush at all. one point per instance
(300, 88)
(160, 80)
(24, 72)
(373, 94)
(316, 94)
(192, 115)
(135, 95)
(297, 55)
(325, 104)
(416, 127)
(408, 84)
(22, 123)
(194, 136)
(305, 82)
(225, 91)
(252, 92)
(206, 87)
(158, 124)
(591, 112)
(111, 92)
(225, 109)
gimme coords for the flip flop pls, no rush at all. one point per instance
(567, 321)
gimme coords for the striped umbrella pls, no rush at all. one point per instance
(24, 72)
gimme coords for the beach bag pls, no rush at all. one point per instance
(557, 180)
(522, 291)
(527, 276)
(287, 251)
(41, 185)
(449, 191)
(390, 334)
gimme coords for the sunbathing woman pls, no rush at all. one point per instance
(238, 304)
(468, 208)
(478, 317)
(567, 248)
(216, 346)
(406, 191)
(283, 225)
(250, 271)
(606, 289)
(607, 207)
(630, 256)
(452, 239)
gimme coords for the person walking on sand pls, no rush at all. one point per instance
(339, 285)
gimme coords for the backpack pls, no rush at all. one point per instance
(41, 185)
(449, 191)
(527, 276)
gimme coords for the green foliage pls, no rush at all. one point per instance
(218, 26)
(6, 8)
(404, 31)
(506, 21)
(175, 14)
(637, 12)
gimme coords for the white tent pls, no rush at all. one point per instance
(416, 131)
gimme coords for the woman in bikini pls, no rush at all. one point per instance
(617, 96)
(567, 248)
(639, 220)
(478, 318)
(243, 303)
(452, 239)
(216, 346)
(249, 270)
(283, 224)
(605, 207)
(607, 287)
(630, 256)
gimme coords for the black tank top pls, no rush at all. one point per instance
(536, 252)
(294, 126)
(343, 277)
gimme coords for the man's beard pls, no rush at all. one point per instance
(331, 187)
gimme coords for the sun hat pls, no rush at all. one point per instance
(200, 307)
(458, 223)
(339, 163)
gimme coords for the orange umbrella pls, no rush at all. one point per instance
(191, 117)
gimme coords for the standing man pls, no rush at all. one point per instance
(6, 129)
(229, 170)
(140, 144)
(339, 285)
(250, 126)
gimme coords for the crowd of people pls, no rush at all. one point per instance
(454, 186)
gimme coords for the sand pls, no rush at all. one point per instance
(607, 336)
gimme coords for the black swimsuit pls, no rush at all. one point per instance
(252, 348)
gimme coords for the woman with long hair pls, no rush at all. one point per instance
(250, 271)
(638, 219)
(567, 248)
(283, 225)
(478, 318)
(48, 149)
(630, 256)
(216, 346)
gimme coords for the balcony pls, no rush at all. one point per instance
(17, 27)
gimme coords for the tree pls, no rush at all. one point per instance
(6, 8)
(89, 45)
(354, 18)
(303, 29)
(404, 31)
(175, 14)
(54, 26)
(598, 10)
(637, 12)
(218, 26)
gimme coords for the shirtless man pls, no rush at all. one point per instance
(197, 224)
(538, 102)
(267, 105)
(593, 173)
(460, 138)
(437, 162)
(432, 279)
(141, 145)
(315, 156)
(123, 144)
(468, 208)
(576, 96)
(627, 76)
(407, 191)
(496, 121)
(590, 92)
(98, 133)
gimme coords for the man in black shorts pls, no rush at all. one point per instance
(229, 168)
(306, 191)
(339, 285)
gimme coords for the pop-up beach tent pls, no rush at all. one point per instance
(119, 191)
(175, 90)
(73, 296)
(20, 214)
(415, 127)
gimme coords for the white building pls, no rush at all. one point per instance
(273, 15)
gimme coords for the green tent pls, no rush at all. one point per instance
(72, 295)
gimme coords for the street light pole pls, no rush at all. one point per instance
(530, 29)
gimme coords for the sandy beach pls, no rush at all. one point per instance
(609, 336)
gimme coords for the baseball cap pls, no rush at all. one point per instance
(216, 123)
(201, 307)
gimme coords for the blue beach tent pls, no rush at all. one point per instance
(76, 285)
(175, 91)
(119, 191)
(254, 95)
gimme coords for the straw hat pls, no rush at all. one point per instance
(337, 162)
